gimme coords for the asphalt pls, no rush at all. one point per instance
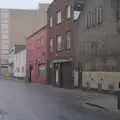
(20, 101)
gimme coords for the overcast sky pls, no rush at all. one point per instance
(23, 4)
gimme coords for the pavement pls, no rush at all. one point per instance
(94, 99)
(20, 101)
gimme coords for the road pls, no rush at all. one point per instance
(19, 101)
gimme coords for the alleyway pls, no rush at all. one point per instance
(19, 101)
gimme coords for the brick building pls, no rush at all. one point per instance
(37, 56)
(60, 38)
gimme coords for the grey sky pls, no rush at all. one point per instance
(23, 4)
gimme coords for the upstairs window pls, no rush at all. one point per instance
(59, 15)
(118, 10)
(94, 17)
(51, 22)
(23, 69)
(51, 45)
(68, 38)
(68, 11)
(59, 43)
(100, 15)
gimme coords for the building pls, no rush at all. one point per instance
(15, 25)
(60, 36)
(17, 61)
(37, 56)
(96, 45)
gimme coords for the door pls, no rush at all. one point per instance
(67, 79)
(80, 80)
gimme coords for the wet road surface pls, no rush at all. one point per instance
(19, 101)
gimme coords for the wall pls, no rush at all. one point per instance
(23, 23)
(4, 36)
(59, 29)
(107, 79)
(19, 63)
(105, 33)
(37, 55)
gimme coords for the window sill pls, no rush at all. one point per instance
(68, 49)
(58, 23)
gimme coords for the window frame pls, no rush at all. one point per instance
(59, 18)
(68, 41)
(100, 15)
(59, 44)
(68, 11)
(51, 21)
(51, 45)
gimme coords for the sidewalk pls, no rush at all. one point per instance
(105, 101)
(93, 99)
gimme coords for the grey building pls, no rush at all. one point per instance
(96, 44)
(97, 37)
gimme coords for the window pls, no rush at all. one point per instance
(59, 20)
(91, 17)
(51, 45)
(88, 20)
(94, 17)
(4, 26)
(59, 43)
(100, 15)
(5, 44)
(51, 21)
(68, 11)
(97, 15)
(118, 10)
(22, 69)
(4, 36)
(17, 69)
(4, 17)
(68, 37)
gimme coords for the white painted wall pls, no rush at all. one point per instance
(19, 61)
(76, 78)
(104, 78)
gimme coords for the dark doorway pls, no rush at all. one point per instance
(30, 74)
(119, 84)
(66, 75)
(80, 79)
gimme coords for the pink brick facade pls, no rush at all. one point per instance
(37, 56)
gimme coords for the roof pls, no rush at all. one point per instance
(19, 48)
(36, 32)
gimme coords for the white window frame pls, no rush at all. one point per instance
(68, 11)
(51, 21)
(68, 40)
(51, 45)
(59, 43)
(59, 17)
